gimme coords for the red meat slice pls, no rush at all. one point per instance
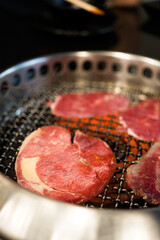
(49, 164)
(144, 177)
(142, 120)
(84, 105)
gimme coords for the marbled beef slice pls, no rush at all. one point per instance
(50, 164)
(85, 105)
(144, 176)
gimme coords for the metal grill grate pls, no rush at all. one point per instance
(32, 113)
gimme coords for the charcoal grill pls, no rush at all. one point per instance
(24, 90)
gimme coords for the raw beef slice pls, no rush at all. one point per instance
(142, 120)
(84, 105)
(144, 177)
(50, 164)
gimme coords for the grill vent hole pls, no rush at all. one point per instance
(30, 74)
(101, 65)
(4, 87)
(147, 72)
(57, 67)
(16, 80)
(87, 65)
(72, 65)
(44, 70)
(116, 67)
(132, 69)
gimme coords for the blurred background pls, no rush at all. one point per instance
(33, 28)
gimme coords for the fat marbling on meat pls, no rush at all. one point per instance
(142, 120)
(50, 164)
(84, 105)
(144, 176)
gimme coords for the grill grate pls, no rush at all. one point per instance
(32, 113)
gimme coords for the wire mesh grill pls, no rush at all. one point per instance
(32, 113)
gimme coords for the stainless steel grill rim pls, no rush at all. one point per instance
(134, 76)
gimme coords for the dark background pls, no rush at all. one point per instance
(28, 29)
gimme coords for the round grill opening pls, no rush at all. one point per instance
(31, 113)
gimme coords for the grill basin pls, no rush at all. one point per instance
(27, 87)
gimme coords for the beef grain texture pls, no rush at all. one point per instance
(144, 177)
(85, 105)
(49, 164)
(142, 120)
